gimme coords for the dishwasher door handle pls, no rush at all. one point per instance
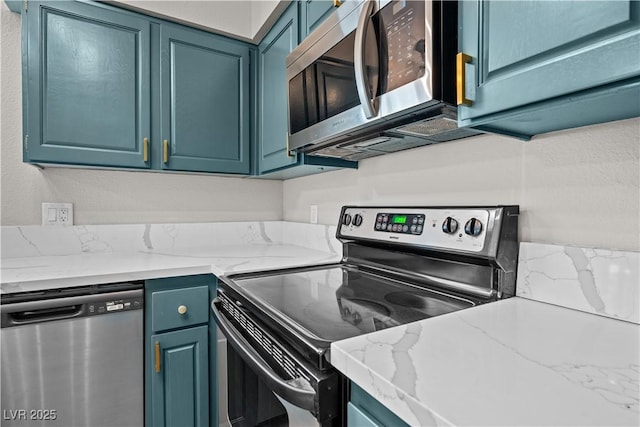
(27, 317)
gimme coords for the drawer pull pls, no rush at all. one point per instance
(157, 356)
(182, 309)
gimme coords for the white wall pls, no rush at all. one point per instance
(107, 197)
(577, 187)
(241, 18)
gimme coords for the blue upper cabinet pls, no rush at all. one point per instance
(108, 87)
(87, 85)
(205, 102)
(314, 12)
(274, 159)
(580, 59)
(272, 101)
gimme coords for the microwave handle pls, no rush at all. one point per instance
(364, 92)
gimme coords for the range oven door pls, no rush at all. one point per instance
(270, 384)
(369, 62)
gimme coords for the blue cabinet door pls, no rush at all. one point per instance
(182, 388)
(365, 411)
(524, 52)
(357, 417)
(273, 159)
(313, 13)
(272, 94)
(180, 378)
(205, 102)
(87, 85)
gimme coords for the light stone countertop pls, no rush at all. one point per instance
(509, 363)
(514, 362)
(50, 272)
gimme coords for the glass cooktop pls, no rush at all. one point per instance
(339, 302)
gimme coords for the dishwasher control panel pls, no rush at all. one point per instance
(116, 305)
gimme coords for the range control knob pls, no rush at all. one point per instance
(473, 227)
(450, 225)
(357, 220)
(346, 219)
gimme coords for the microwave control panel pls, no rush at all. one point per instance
(404, 25)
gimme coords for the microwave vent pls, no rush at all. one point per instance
(429, 127)
(345, 153)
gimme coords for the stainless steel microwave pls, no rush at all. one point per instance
(375, 77)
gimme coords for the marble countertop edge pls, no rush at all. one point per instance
(513, 349)
(49, 272)
(404, 405)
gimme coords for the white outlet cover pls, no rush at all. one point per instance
(313, 214)
(57, 214)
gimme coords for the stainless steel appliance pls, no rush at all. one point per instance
(375, 77)
(400, 264)
(73, 357)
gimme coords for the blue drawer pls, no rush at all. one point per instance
(178, 308)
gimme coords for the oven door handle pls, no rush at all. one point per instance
(303, 398)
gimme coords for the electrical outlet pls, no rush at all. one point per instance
(313, 214)
(57, 214)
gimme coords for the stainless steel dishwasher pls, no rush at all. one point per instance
(73, 357)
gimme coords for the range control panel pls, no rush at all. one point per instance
(400, 223)
(461, 229)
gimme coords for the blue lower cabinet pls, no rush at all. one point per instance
(180, 360)
(359, 418)
(365, 411)
(180, 378)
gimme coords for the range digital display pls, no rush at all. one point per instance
(399, 219)
(400, 223)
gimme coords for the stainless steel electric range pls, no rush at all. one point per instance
(400, 264)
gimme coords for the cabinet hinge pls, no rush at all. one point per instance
(26, 143)
(26, 5)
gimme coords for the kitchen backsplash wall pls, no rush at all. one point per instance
(577, 187)
(34, 240)
(598, 281)
(108, 197)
